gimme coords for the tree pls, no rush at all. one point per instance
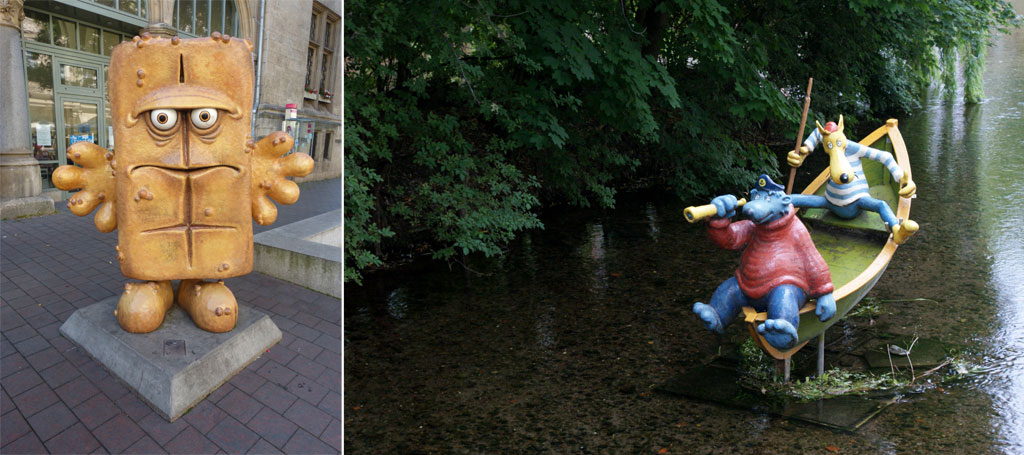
(464, 117)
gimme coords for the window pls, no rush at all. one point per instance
(309, 69)
(320, 76)
(217, 17)
(36, 26)
(46, 29)
(231, 19)
(324, 71)
(312, 146)
(39, 75)
(77, 76)
(203, 17)
(327, 145)
(327, 35)
(64, 33)
(108, 120)
(133, 7)
(128, 6)
(110, 40)
(89, 38)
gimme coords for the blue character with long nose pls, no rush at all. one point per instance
(779, 270)
(846, 193)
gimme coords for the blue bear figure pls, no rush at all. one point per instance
(779, 270)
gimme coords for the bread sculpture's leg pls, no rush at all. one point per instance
(142, 306)
(211, 305)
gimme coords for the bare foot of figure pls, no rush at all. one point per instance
(779, 333)
(211, 305)
(142, 306)
(709, 317)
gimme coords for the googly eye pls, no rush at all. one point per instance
(839, 143)
(204, 118)
(829, 145)
(163, 119)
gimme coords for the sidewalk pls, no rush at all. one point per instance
(55, 398)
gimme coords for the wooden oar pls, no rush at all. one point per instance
(800, 134)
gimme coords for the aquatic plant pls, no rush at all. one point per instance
(757, 373)
(869, 307)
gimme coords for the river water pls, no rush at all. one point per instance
(555, 347)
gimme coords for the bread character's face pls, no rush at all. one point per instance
(181, 110)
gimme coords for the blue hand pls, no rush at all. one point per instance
(726, 205)
(826, 307)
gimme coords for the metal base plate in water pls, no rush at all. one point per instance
(719, 384)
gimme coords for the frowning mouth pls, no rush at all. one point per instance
(186, 169)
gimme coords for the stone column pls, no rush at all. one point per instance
(19, 171)
(161, 16)
(248, 19)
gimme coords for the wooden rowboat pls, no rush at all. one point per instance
(857, 251)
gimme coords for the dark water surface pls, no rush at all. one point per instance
(555, 347)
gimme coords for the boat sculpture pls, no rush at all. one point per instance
(857, 250)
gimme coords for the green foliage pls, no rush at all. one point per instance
(360, 227)
(464, 117)
(973, 68)
(868, 308)
(754, 364)
(836, 382)
(757, 373)
(949, 84)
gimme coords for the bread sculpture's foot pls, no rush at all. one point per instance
(142, 306)
(211, 305)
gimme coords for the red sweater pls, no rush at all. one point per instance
(777, 253)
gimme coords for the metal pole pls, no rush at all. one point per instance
(783, 366)
(821, 354)
(259, 67)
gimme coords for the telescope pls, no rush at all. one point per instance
(697, 213)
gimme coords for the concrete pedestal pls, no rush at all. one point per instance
(307, 253)
(26, 206)
(177, 365)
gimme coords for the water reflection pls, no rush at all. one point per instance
(1001, 191)
(545, 334)
(652, 221)
(398, 303)
(968, 162)
(594, 258)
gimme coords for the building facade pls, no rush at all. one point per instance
(63, 54)
(302, 65)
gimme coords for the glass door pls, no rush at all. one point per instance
(43, 123)
(79, 120)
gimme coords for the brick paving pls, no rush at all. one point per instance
(56, 399)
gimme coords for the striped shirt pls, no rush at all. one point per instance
(846, 194)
